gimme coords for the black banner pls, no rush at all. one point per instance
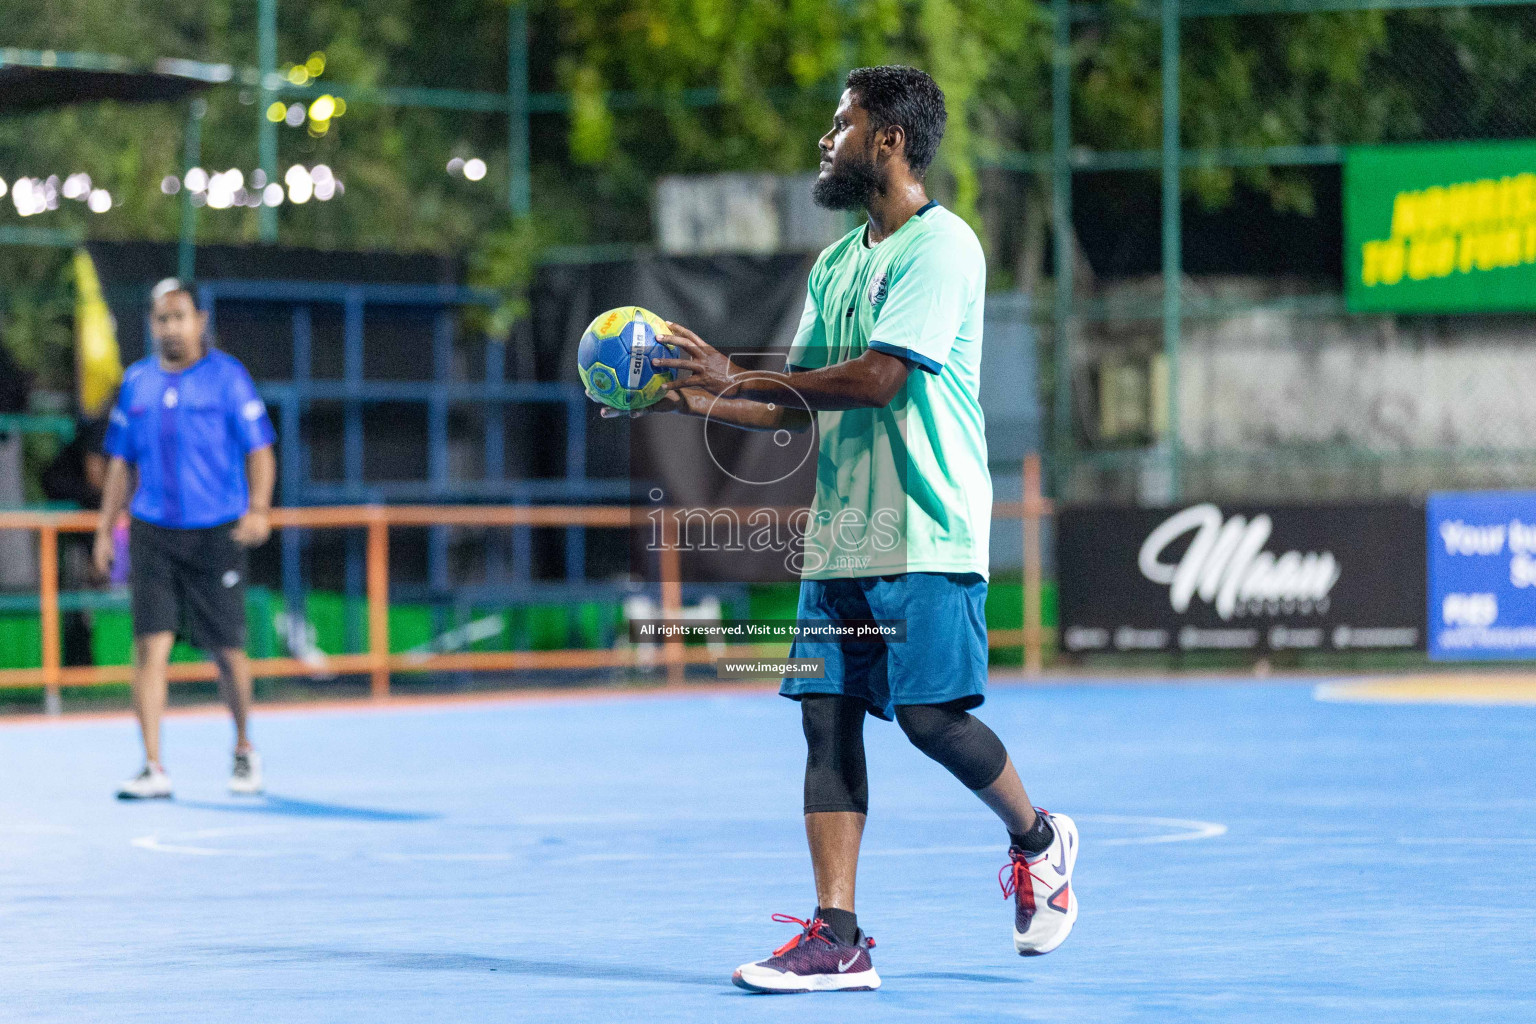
(1208, 577)
(747, 306)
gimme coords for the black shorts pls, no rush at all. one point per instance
(190, 582)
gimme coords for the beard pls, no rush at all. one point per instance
(849, 186)
(178, 349)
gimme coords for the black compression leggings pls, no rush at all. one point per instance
(835, 779)
(835, 775)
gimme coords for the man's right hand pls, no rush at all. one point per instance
(103, 552)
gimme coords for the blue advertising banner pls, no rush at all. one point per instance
(1482, 575)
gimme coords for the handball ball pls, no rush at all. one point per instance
(614, 358)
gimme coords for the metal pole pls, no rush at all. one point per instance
(670, 566)
(352, 448)
(1173, 249)
(378, 605)
(495, 413)
(1061, 231)
(519, 196)
(186, 246)
(295, 462)
(1034, 619)
(576, 473)
(48, 598)
(266, 131)
(437, 447)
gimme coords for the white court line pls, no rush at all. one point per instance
(185, 843)
(1337, 693)
(1194, 829)
(157, 845)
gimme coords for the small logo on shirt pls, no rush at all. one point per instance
(170, 398)
(231, 578)
(877, 288)
(252, 410)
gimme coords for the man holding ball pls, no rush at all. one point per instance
(191, 441)
(887, 359)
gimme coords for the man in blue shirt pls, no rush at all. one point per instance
(190, 427)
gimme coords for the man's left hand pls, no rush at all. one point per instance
(711, 370)
(252, 530)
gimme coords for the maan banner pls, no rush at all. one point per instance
(1242, 577)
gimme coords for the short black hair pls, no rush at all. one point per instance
(894, 94)
(171, 285)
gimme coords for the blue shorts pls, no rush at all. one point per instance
(943, 659)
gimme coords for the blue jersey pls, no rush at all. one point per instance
(189, 433)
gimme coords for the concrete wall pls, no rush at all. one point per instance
(1286, 401)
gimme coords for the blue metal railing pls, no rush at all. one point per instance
(291, 399)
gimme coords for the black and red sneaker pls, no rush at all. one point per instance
(816, 960)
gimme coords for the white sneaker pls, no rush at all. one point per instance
(1045, 904)
(150, 784)
(245, 780)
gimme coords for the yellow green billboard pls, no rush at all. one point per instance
(1440, 229)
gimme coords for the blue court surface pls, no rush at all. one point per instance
(1250, 853)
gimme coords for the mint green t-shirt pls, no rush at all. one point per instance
(904, 488)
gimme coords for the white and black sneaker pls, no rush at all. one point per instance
(245, 780)
(1040, 884)
(150, 784)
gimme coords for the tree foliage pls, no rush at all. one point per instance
(638, 73)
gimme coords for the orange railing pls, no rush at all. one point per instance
(378, 663)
